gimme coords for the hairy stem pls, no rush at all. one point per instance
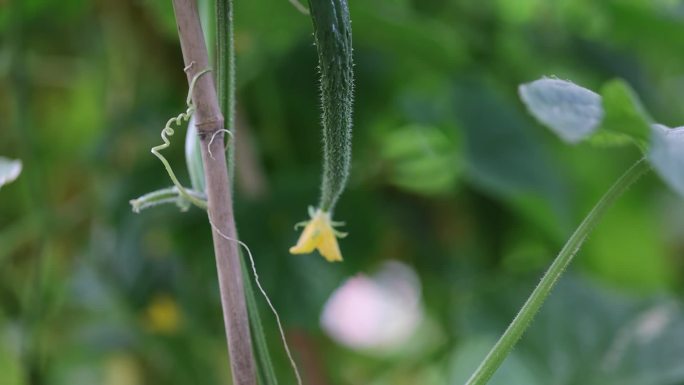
(225, 72)
(209, 123)
(522, 320)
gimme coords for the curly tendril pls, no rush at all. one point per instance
(168, 131)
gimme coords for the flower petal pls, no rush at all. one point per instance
(328, 246)
(319, 235)
(308, 240)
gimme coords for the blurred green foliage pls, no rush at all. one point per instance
(449, 175)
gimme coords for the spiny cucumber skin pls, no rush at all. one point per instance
(333, 36)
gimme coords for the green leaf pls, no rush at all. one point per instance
(624, 113)
(421, 159)
(9, 170)
(587, 333)
(605, 138)
(508, 161)
(614, 118)
(601, 337)
(667, 155)
(571, 111)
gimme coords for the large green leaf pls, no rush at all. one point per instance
(571, 111)
(587, 334)
(506, 159)
(593, 336)
(9, 170)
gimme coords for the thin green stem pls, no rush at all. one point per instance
(225, 75)
(164, 196)
(522, 320)
(265, 371)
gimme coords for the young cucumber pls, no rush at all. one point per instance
(332, 32)
(333, 35)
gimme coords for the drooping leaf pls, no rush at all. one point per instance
(571, 111)
(624, 113)
(667, 155)
(9, 170)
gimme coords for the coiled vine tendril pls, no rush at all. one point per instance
(168, 131)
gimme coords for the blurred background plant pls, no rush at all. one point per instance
(457, 201)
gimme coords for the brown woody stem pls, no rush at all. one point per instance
(210, 123)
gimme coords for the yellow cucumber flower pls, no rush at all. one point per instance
(320, 235)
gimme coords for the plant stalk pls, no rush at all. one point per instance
(225, 72)
(225, 76)
(522, 320)
(210, 126)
